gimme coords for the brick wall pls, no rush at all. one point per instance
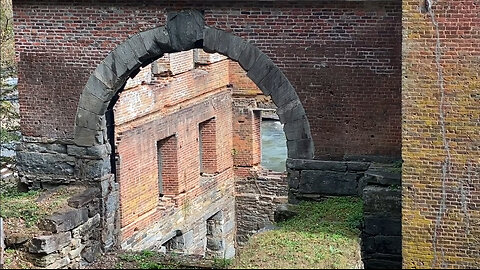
(441, 134)
(342, 57)
(148, 116)
(208, 139)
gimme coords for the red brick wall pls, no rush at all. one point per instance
(343, 58)
(208, 138)
(146, 114)
(168, 149)
(441, 135)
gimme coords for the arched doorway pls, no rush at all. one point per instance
(184, 31)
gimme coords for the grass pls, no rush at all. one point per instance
(322, 235)
(21, 205)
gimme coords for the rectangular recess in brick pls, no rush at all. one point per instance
(207, 140)
(167, 166)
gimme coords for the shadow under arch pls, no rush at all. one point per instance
(184, 31)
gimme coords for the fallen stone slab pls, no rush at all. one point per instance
(64, 221)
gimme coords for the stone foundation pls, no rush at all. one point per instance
(256, 199)
(70, 238)
(316, 179)
(185, 228)
(382, 227)
(378, 185)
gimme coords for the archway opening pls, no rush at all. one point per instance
(181, 137)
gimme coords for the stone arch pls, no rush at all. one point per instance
(184, 31)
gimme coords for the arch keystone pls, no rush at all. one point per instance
(185, 29)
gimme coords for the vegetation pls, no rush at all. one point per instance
(322, 235)
(23, 210)
(7, 49)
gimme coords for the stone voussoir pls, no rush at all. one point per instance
(302, 149)
(210, 39)
(260, 68)
(297, 130)
(138, 47)
(92, 103)
(291, 111)
(236, 47)
(150, 43)
(248, 56)
(284, 94)
(85, 136)
(88, 119)
(185, 29)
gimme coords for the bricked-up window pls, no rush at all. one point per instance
(167, 166)
(207, 146)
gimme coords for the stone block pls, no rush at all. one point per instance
(100, 151)
(223, 42)
(382, 201)
(283, 213)
(88, 119)
(302, 149)
(271, 80)
(297, 130)
(85, 136)
(92, 169)
(357, 166)
(248, 56)
(322, 165)
(138, 47)
(64, 221)
(92, 103)
(382, 244)
(260, 68)
(210, 39)
(125, 53)
(75, 253)
(77, 151)
(185, 29)
(47, 260)
(328, 183)
(215, 244)
(237, 45)
(59, 264)
(107, 76)
(382, 264)
(15, 240)
(291, 111)
(50, 243)
(45, 163)
(84, 198)
(284, 94)
(151, 44)
(384, 175)
(97, 88)
(293, 177)
(91, 252)
(115, 63)
(391, 226)
(84, 231)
